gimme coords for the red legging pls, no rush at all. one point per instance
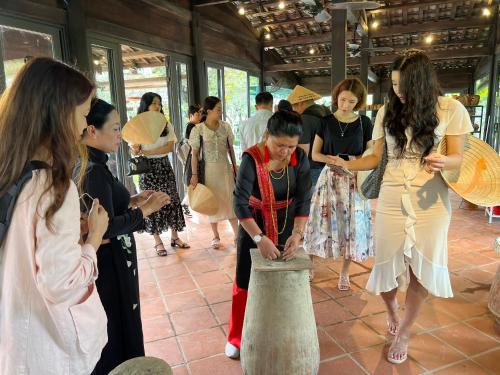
(237, 315)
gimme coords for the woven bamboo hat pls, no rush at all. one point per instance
(478, 179)
(202, 200)
(144, 129)
(301, 94)
(143, 365)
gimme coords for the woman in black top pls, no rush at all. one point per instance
(118, 283)
(340, 219)
(271, 200)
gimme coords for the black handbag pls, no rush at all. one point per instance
(188, 172)
(371, 186)
(139, 165)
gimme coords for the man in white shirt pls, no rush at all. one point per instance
(252, 129)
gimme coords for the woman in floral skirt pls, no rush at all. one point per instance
(339, 223)
(162, 178)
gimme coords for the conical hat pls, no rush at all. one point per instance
(143, 365)
(478, 179)
(202, 200)
(301, 94)
(144, 129)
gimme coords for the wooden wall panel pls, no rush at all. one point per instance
(142, 17)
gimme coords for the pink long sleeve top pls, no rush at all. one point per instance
(51, 318)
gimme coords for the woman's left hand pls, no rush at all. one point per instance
(291, 247)
(434, 162)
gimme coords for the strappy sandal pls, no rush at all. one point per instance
(161, 252)
(344, 284)
(215, 243)
(392, 349)
(177, 242)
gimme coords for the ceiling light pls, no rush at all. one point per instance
(311, 51)
(281, 5)
(267, 36)
(375, 25)
(96, 62)
(429, 39)
(241, 11)
(486, 12)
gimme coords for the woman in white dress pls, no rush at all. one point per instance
(413, 209)
(216, 138)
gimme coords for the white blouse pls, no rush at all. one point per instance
(162, 141)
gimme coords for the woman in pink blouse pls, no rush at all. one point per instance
(51, 318)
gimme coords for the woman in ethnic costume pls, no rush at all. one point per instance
(271, 200)
(413, 209)
(340, 223)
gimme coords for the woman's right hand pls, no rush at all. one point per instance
(97, 222)
(155, 202)
(194, 180)
(267, 249)
(136, 149)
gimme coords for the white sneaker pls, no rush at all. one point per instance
(232, 351)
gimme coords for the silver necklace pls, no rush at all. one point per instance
(342, 131)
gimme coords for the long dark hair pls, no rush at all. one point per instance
(146, 101)
(420, 88)
(285, 123)
(52, 90)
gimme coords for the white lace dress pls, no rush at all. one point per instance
(219, 176)
(413, 212)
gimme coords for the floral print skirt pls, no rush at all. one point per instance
(162, 178)
(339, 222)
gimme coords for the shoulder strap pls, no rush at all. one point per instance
(8, 200)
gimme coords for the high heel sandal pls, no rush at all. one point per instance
(160, 252)
(177, 242)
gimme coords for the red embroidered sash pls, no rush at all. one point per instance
(268, 199)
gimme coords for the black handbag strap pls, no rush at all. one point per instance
(9, 199)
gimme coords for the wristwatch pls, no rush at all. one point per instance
(257, 238)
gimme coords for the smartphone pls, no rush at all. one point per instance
(344, 156)
(86, 202)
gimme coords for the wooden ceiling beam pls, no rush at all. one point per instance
(205, 3)
(379, 60)
(416, 4)
(426, 27)
(431, 26)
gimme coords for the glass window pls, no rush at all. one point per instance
(183, 77)
(18, 46)
(236, 101)
(100, 59)
(214, 82)
(253, 90)
(144, 71)
(278, 94)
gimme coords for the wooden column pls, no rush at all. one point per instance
(365, 61)
(339, 50)
(77, 33)
(199, 71)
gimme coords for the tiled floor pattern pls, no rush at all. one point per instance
(186, 301)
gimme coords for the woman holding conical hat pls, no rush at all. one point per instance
(162, 178)
(413, 208)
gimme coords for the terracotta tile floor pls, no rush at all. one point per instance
(186, 300)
